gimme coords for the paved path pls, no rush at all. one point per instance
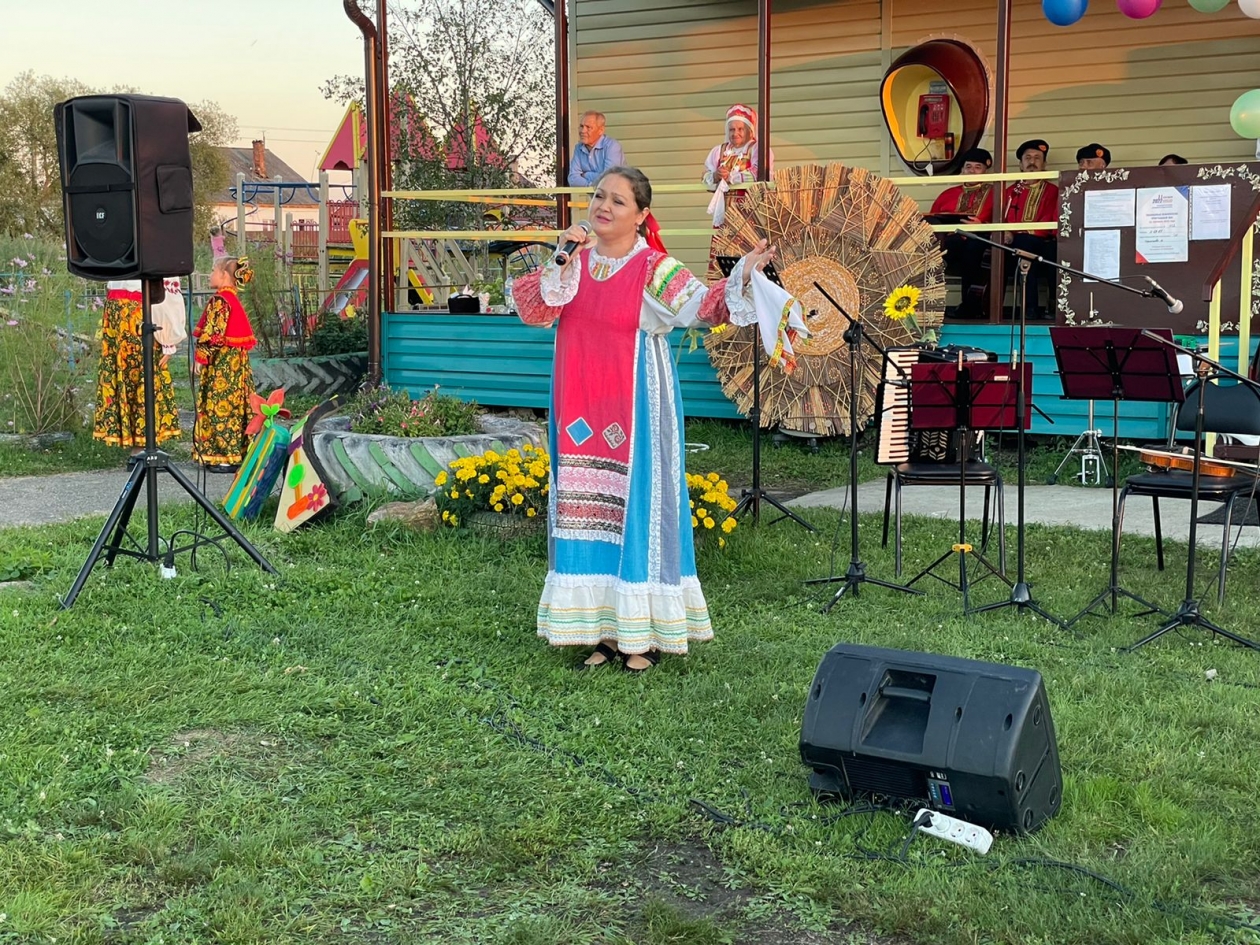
(1043, 505)
(43, 500)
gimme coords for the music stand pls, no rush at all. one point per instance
(753, 497)
(1099, 363)
(856, 575)
(962, 396)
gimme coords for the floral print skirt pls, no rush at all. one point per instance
(223, 410)
(119, 416)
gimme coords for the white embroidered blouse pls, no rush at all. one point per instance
(666, 305)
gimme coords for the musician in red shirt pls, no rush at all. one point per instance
(967, 203)
(1032, 201)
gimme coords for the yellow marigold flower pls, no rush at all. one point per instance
(703, 513)
(722, 486)
(530, 513)
(693, 503)
(518, 499)
(491, 456)
(694, 521)
(498, 506)
(454, 519)
(721, 542)
(709, 523)
(483, 479)
(728, 525)
(713, 477)
(440, 479)
(446, 515)
(454, 493)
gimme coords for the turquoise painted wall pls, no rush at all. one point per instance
(498, 361)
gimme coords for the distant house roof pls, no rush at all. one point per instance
(260, 167)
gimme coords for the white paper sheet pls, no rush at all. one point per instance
(1102, 254)
(1109, 208)
(1163, 224)
(1209, 212)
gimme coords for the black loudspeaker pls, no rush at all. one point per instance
(972, 739)
(126, 180)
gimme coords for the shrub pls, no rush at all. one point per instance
(47, 349)
(711, 507)
(393, 413)
(337, 335)
(512, 484)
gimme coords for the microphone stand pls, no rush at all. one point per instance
(856, 576)
(1189, 614)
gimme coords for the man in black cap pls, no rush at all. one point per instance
(1032, 201)
(1093, 157)
(967, 203)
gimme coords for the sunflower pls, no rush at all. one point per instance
(902, 302)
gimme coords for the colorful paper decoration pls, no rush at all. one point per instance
(264, 461)
(305, 492)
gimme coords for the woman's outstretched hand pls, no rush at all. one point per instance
(575, 234)
(760, 256)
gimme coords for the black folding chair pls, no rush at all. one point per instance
(1226, 409)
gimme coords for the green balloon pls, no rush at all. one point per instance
(1244, 117)
(1209, 6)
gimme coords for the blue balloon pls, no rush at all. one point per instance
(1063, 12)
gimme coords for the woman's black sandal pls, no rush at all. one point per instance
(652, 656)
(607, 652)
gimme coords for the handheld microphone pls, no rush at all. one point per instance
(1174, 305)
(565, 251)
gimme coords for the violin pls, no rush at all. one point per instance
(1185, 461)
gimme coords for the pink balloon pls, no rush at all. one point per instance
(1138, 9)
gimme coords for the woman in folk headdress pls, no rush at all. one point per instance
(734, 161)
(119, 415)
(221, 361)
(622, 575)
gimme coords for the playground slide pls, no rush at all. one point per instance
(349, 288)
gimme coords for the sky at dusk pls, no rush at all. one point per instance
(262, 61)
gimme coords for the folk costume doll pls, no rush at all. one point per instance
(119, 416)
(221, 360)
(734, 161)
(622, 571)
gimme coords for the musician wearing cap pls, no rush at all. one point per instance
(967, 203)
(1032, 201)
(1093, 157)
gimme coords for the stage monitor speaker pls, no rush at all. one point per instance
(972, 739)
(126, 180)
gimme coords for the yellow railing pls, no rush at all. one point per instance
(521, 196)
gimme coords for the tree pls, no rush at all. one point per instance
(30, 173)
(484, 65)
(209, 166)
(30, 195)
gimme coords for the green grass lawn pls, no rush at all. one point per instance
(374, 747)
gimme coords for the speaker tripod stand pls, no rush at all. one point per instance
(856, 576)
(144, 475)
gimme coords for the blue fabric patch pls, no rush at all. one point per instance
(579, 431)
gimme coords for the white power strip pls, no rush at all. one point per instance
(954, 830)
